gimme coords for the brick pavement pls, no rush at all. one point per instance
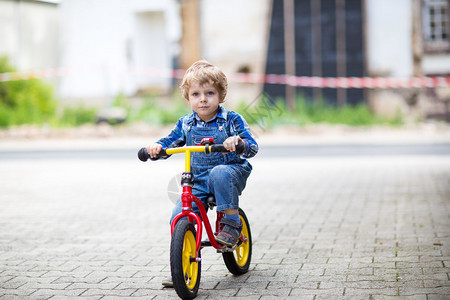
(323, 228)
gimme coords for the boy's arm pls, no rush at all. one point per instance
(176, 138)
(238, 126)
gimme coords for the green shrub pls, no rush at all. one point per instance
(153, 113)
(24, 101)
(76, 116)
(268, 113)
(263, 113)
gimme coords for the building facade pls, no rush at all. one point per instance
(109, 47)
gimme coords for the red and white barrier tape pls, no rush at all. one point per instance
(345, 82)
(298, 81)
(38, 74)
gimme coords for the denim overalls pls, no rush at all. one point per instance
(224, 176)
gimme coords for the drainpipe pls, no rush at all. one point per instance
(289, 49)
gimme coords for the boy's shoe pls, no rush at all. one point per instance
(168, 283)
(230, 233)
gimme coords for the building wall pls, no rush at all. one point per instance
(234, 37)
(328, 43)
(389, 41)
(436, 64)
(113, 46)
(29, 32)
(110, 46)
(388, 38)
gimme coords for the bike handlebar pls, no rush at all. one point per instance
(144, 156)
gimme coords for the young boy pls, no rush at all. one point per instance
(204, 87)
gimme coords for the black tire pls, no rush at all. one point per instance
(238, 261)
(186, 273)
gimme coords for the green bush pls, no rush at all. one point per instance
(263, 113)
(24, 101)
(76, 116)
(268, 113)
(153, 113)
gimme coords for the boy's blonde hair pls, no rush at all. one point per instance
(204, 72)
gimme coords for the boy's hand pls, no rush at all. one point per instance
(231, 143)
(154, 149)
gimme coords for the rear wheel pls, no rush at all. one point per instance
(238, 261)
(186, 271)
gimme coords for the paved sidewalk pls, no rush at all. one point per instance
(100, 137)
(323, 228)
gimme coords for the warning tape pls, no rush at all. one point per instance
(38, 74)
(345, 82)
(297, 81)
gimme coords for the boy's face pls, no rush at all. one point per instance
(204, 100)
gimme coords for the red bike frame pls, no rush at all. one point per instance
(187, 211)
(187, 198)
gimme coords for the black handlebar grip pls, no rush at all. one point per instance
(218, 148)
(161, 153)
(240, 148)
(143, 154)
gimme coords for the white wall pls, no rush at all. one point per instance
(104, 41)
(388, 37)
(436, 64)
(29, 34)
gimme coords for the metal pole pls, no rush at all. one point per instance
(341, 60)
(316, 46)
(289, 49)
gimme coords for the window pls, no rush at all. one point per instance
(435, 18)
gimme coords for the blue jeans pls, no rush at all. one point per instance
(225, 181)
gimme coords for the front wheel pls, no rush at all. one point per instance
(238, 261)
(186, 271)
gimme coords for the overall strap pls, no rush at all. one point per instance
(223, 123)
(190, 122)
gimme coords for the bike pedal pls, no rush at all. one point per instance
(228, 249)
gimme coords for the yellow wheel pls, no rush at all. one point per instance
(190, 268)
(186, 271)
(238, 261)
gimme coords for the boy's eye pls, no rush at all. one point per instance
(195, 94)
(210, 93)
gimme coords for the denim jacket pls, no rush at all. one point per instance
(231, 122)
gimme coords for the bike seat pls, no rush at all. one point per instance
(211, 201)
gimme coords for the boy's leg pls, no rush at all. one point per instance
(227, 182)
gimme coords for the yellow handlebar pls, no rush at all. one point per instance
(187, 153)
(144, 156)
